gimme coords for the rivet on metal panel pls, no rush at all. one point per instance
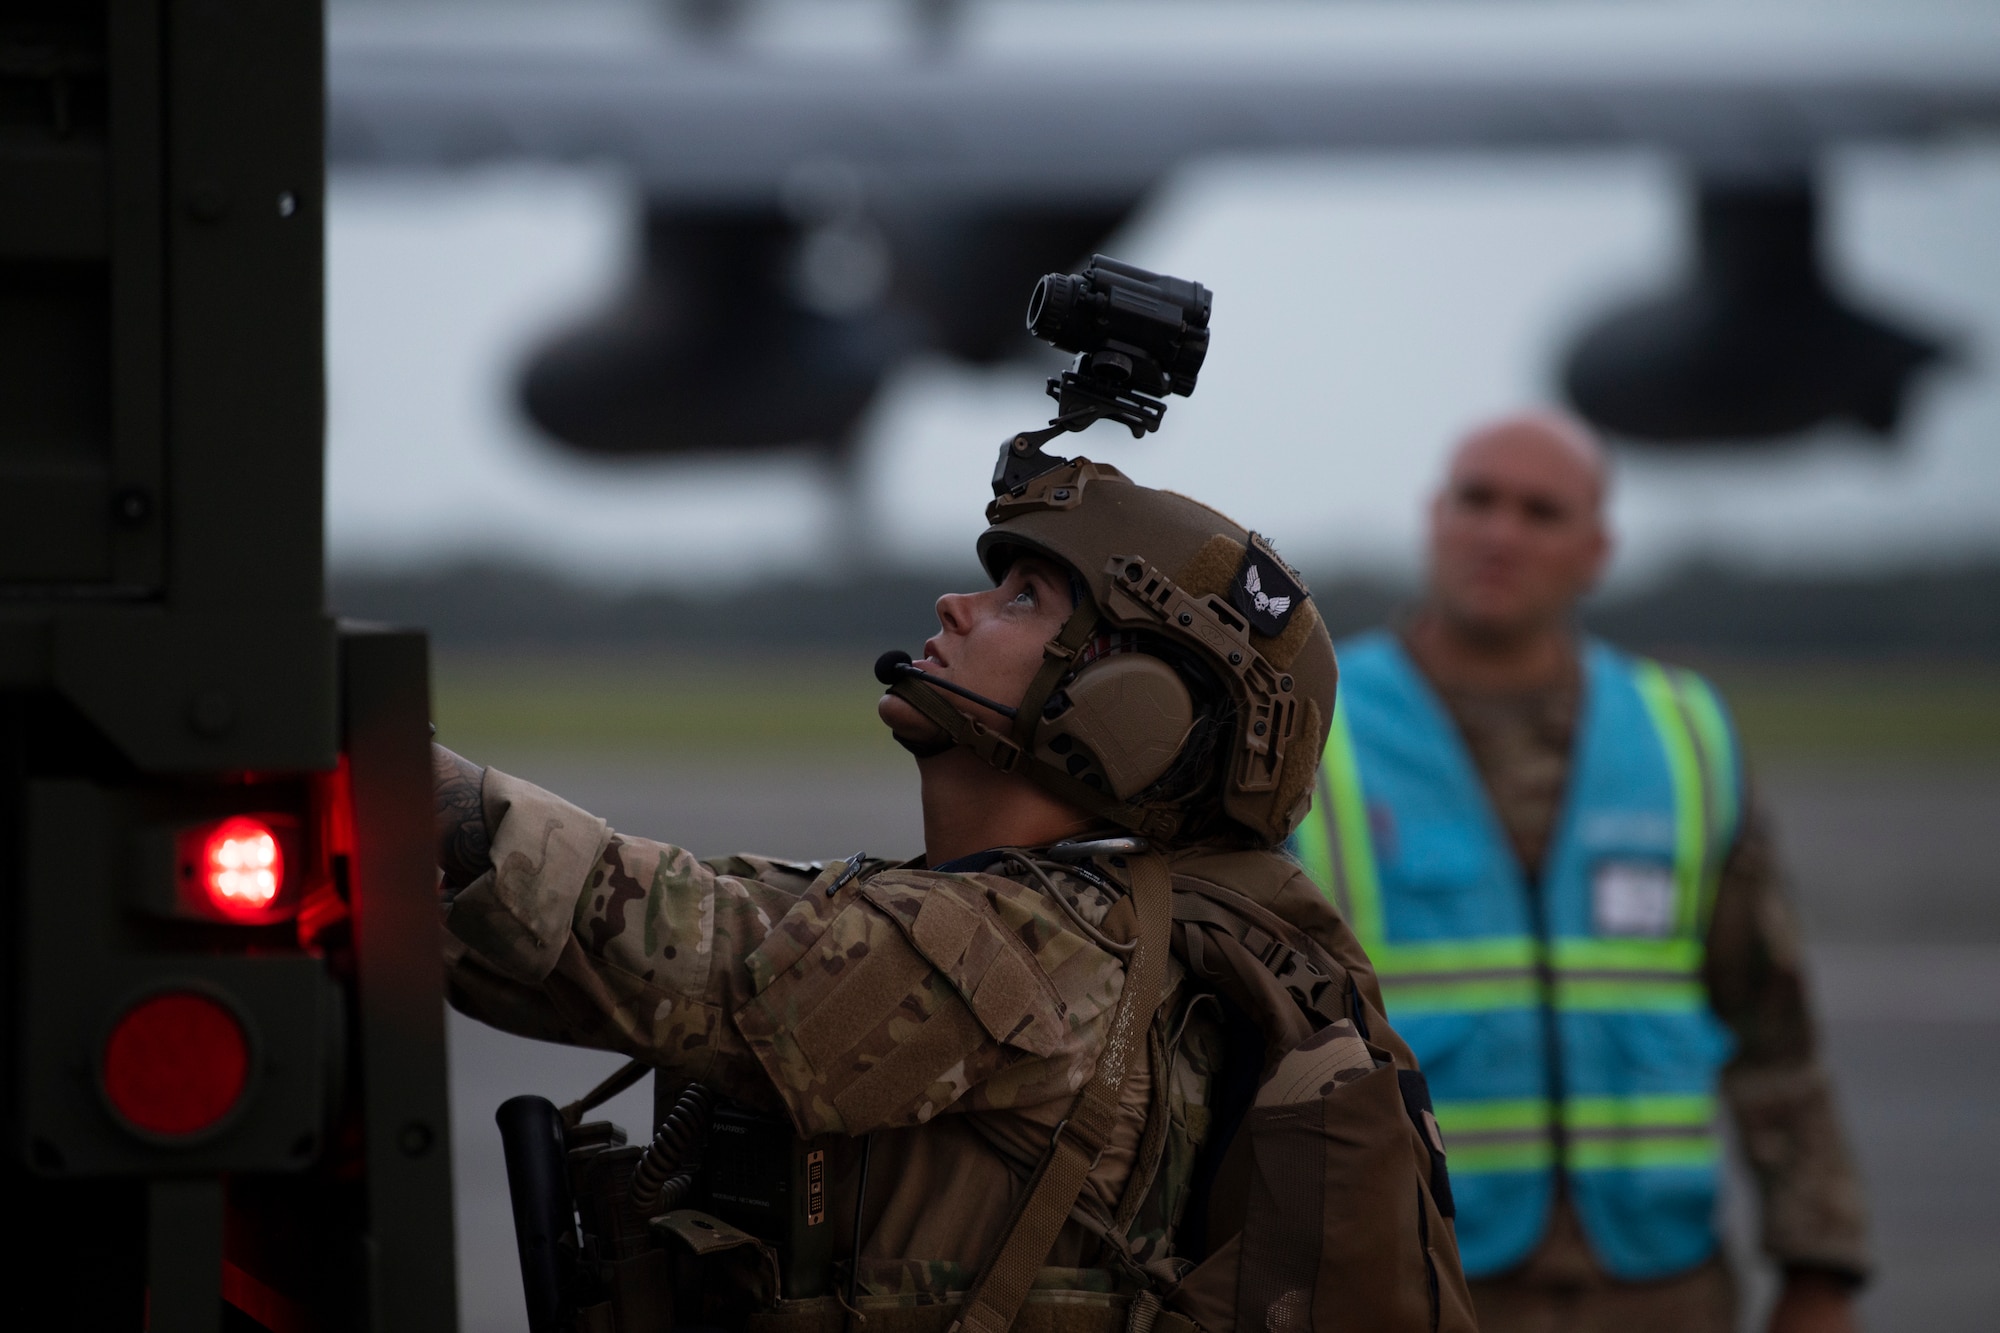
(132, 506)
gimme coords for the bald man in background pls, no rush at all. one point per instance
(1549, 850)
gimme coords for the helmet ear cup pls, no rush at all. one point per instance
(1129, 714)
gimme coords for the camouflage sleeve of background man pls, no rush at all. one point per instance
(1776, 1086)
(895, 996)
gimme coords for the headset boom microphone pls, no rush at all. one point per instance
(895, 665)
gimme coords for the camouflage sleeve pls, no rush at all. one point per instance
(1776, 1086)
(585, 936)
(857, 1002)
(910, 992)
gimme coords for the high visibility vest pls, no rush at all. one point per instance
(1562, 1023)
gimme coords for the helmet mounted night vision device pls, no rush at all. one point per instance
(1187, 694)
(1138, 336)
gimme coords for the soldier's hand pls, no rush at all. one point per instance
(1814, 1303)
(464, 844)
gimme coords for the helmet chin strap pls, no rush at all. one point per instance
(1058, 659)
(1013, 754)
(894, 667)
(923, 749)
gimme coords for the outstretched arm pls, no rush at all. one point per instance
(842, 1007)
(464, 843)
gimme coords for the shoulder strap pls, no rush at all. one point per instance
(1079, 1139)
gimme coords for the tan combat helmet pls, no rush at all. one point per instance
(1100, 730)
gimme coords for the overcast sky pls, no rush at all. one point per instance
(1366, 310)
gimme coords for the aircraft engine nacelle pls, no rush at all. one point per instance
(758, 328)
(1756, 346)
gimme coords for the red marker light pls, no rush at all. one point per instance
(176, 1063)
(242, 867)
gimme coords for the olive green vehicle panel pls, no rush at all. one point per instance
(166, 657)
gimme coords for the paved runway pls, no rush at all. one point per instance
(1896, 878)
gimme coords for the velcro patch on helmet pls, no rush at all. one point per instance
(1265, 589)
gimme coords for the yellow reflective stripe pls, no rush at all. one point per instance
(1350, 826)
(1583, 996)
(1491, 954)
(1463, 976)
(1684, 767)
(1505, 1134)
(1658, 1110)
(1490, 1116)
(1671, 1110)
(1693, 1150)
(1676, 956)
(1667, 1130)
(1481, 1158)
(1712, 727)
(1459, 997)
(1314, 848)
(1591, 975)
(1718, 758)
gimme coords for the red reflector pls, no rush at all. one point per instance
(241, 866)
(176, 1063)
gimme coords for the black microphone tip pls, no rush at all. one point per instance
(886, 664)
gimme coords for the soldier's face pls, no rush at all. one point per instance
(1517, 533)
(989, 642)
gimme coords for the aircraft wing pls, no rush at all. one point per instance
(1036, 101)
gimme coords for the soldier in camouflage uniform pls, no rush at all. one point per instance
(1041, 1078)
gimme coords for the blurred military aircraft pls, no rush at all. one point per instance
(830, 187)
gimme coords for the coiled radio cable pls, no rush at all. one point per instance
(665, 1175)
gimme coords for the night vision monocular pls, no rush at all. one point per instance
(1138, 336)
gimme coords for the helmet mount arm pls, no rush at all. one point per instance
(1081, 403)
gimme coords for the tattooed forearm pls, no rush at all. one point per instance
(464, 844)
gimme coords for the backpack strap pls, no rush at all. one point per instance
(1315, 981)
(1080, 1136)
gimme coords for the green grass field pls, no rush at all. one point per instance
(631, 704)
(1831, 710)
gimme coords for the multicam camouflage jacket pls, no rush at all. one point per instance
(953, 1016)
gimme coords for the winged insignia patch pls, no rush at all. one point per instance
(1253, 583)
(1266, 590)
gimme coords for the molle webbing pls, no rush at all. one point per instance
(1315, 983)
(1080, 1138)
